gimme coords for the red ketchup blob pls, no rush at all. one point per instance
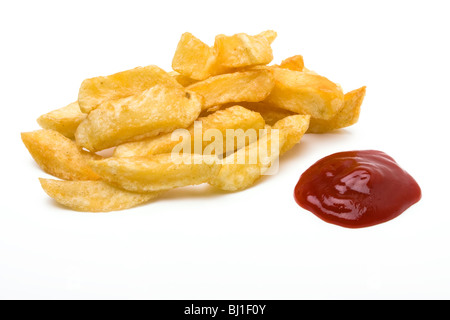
(356, 189)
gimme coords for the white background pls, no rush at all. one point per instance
(197, 243)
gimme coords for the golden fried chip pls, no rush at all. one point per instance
(292, 129)
(64, 120)
(294, 63)
(270, 114)
(242, 50)
(158, 172)
(269, 35)
(346, 117)
(93, 196)
(58, 155)
(159, 109)
(233, 118)
(261, 155)
(96, 91)
(181, 79)
(237, 174)
(193, 58)
(251, 86)
(306, 93)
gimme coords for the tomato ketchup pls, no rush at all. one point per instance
(356, 189)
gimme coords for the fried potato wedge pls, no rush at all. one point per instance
(233, 118)
(58, 155)
(194, 59)
(346, 117)
(294, 63)
(96, 91)
(242, 50)
(93, 196)
(157, 173)
(251, 86)
(306, 93)
(270, 114)
(260, 156)
(64, 120)
(159, 109)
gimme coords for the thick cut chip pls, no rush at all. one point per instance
(294, 63)
(261, 156)
(196, 60)
(93, 196)
(250, 86)
(64, 120)
(159, 109)
(244, 167)
(270, 114)
(306, 93)
(157, 173)
(202, 134)
(96, 91)
(193, 58)
(58, 155)
(242, 50)
(346, 117)
(292, 129)
(270, 35)
(181, 79)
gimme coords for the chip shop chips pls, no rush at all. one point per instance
(244, 86)
(93, 196)
(260, 156)
(157, 173)
(58, 155)
(222, 117)
(64, 120)
(306, 93)
(96, 91)
(194, 59)
(294, 63)
(346, 117)
(242, 50)
(157, 110)
(235, 118)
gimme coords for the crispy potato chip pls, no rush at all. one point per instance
(58, 155)
(193, 58)
(260, 156)
(93, 196)
(64, 120)
(270, 114)
(242, 50)
(306, 93)
(159, 109)
(233, 118)
(346, 117)
(158, 172)
(251, 86)
(96, 91)
(294, 63)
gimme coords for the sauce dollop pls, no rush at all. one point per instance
(357, 189)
